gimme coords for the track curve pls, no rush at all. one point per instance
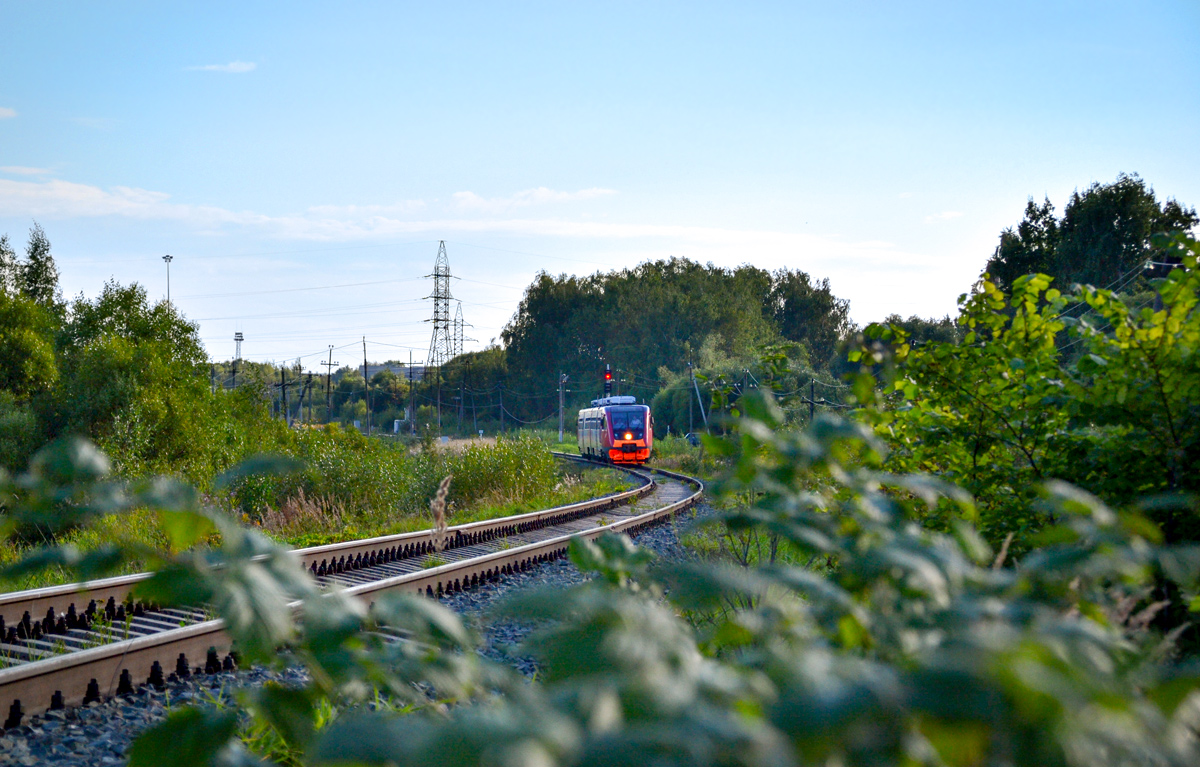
(113, 645)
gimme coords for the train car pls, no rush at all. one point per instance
(616, 430)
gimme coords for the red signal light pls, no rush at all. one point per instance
(607, 375)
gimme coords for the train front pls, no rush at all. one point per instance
(632, 433)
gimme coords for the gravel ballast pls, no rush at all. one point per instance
(101, 733)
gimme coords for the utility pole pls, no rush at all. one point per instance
(366, 386)
(501, 407)
(474, 413)
(329, 385)
(412, 397)
(562, 379)
(812, 399)
(212, 378)
(283, 392)
(308, 388)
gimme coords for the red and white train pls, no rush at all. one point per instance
(616, 430)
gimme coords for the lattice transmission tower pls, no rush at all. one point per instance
(441, 344)
(458, 330)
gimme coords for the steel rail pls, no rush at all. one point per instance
(31, 605)
(97, 672)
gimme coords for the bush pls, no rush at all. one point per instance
(345, 469)
(20, 433)
(1007, 408)
(917, 647)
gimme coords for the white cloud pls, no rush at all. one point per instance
(6, 112)
(878, 277)
(65, 199)
(358, 223)
(24, 170)
(233, 67)
(945, 215)
(469, 201)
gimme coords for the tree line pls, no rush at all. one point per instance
(117, 367)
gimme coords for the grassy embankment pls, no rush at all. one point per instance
(354, 487)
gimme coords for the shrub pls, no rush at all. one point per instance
(918, 647)
(1109, 401)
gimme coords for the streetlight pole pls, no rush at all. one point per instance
(168, 259)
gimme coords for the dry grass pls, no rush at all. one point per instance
(438, 507)
(301, 514)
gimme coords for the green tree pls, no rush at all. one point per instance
(980, 412)
(637, 320)
(134, 376)
(920, 330)
(1109, 401)
(1137, 388)
(1029, 249)
(27, 362)
(807, 311)
(1106, 231)
(39, 273)
(1103, 238)
(10, 269)
(20, 432)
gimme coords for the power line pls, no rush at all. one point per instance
(338, 311)
(298, 290)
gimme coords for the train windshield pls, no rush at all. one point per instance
(628, 421)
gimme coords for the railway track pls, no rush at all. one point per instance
(69, 645)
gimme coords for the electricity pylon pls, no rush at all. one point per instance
(441, 344)
(458, 331)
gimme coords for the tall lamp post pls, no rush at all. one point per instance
(168, 259)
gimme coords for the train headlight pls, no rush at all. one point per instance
(628, 435)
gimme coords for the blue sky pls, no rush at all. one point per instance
(287, 153)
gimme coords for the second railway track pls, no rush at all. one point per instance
(74, 644)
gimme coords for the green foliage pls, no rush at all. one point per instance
(20, 433)
(1138, 382)
(658, 315)
(27, 364)
(1030, 249)
(1103, 238)
(807, 312)
(914, 649)
(39, 274)
(10, 281)
(131, 378)
(982, 412)
(345, 469)
(783, 368)
(1007, 407)
(919, 330)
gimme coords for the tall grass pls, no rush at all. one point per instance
(353, 487)
(677, 454)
